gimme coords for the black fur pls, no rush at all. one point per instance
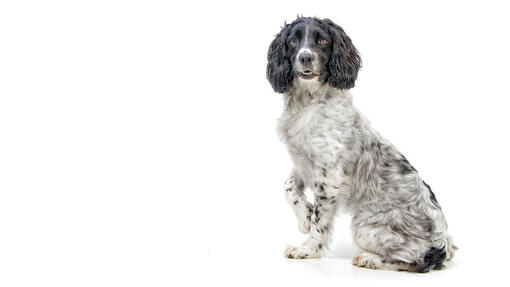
(341, 64)
(405, 166)
(345, 61)
(432, 195)
(279, 69)
(433, 258)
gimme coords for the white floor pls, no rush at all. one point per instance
(264, 265)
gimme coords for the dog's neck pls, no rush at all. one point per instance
(304, 94)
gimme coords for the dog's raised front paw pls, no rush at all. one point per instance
(304, 221)
(304, 226)
(299, 253)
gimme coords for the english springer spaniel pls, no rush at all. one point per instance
(397, 222)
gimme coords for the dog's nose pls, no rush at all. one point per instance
(306, 58)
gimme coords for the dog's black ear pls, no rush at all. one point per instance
(344, 62)
(279, 69)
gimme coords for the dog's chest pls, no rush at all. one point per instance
(314, 137)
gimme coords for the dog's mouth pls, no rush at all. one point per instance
(308, 74)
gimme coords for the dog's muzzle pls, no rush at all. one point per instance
(307, 60)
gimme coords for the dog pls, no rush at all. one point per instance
(397, 222)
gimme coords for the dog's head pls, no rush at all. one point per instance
(312, 49)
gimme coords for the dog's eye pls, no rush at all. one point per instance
(323, 42)
(293, 43)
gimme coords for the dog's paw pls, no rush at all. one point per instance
(299, 253)
(304, 226)
(367, 260)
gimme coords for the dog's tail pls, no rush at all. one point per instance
(435, 257)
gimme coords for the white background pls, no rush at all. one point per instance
(138, 143)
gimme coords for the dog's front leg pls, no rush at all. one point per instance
(321, 224)
(294, 194)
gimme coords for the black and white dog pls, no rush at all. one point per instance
(397, 222)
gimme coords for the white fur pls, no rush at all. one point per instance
(348, 165)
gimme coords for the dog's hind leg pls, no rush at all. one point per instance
(367, 260)
(371, 260)
(384, 247)
(294, 194)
